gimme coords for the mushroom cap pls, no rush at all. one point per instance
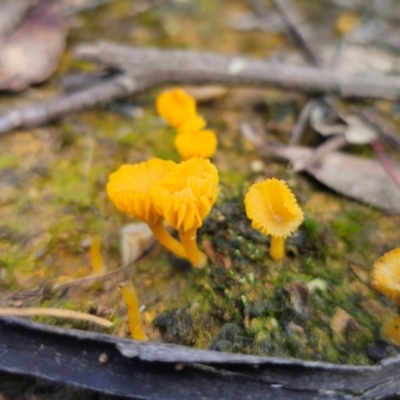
(273, 208)
(200, 144)
(192, 125)
(185, 196)
(176, 107)
(390, 329)
(129, 187)
(385, 275)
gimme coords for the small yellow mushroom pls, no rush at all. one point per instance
(385, 276)
(390, 329)
(177, 107)
(195, 124)
(129, 189)
(184, 198)
(274, 211)
(201, 144)
(132, 304)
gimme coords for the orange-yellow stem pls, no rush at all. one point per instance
(277, 248)
(164, 237)
(195, 256)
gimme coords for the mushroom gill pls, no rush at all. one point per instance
(385, 275)
(184, 198)
(129, 188)
(274, 211)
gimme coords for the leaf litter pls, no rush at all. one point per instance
(32, 52)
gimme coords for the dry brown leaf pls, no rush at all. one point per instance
(300, 298)
(31, 53)
(12, 13)
(359, 178)
(342, 320)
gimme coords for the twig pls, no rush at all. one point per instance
(387, 134)
(147, 68)
(178, 66)
(114, 88)
(101, 277)
(380, 153)
(334, 143)
(285, 9)
(288, 14)
(53, 312)
(301, 122)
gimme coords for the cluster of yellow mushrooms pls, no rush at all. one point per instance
(180, 195)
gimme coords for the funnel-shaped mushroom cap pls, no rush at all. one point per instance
(192, 125)
(176, 107)
(273, 208)
(390, 329)
(129, 188)
(200, 144)
(185, 196)
(385, 275)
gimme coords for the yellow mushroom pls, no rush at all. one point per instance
(201, 144)
(274, 211)
(192, 125)
(177, 107)
(132, 304)
(129, 189)
(184, 198)
(390, 329)
(385, 276)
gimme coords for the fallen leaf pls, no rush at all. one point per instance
(31, 53)
(357, 131)
(325, 120)
(12, 12)
(342, 320)
(360, 273)
(300, 298)
(359, 178)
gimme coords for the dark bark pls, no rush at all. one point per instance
(149, 370)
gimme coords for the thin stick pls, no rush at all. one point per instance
(147, 68)
(114, 88)
(287, 11)
(53, 312)
(101, 277)
(334, 143)
(385, 131)
(380, 153)
(162, 67)
(301, 122)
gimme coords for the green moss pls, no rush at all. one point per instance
(8, 161)
(69, 185)
(312, 227)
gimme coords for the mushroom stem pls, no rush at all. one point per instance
(195, 256)
(160, 232)
(277, 248)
